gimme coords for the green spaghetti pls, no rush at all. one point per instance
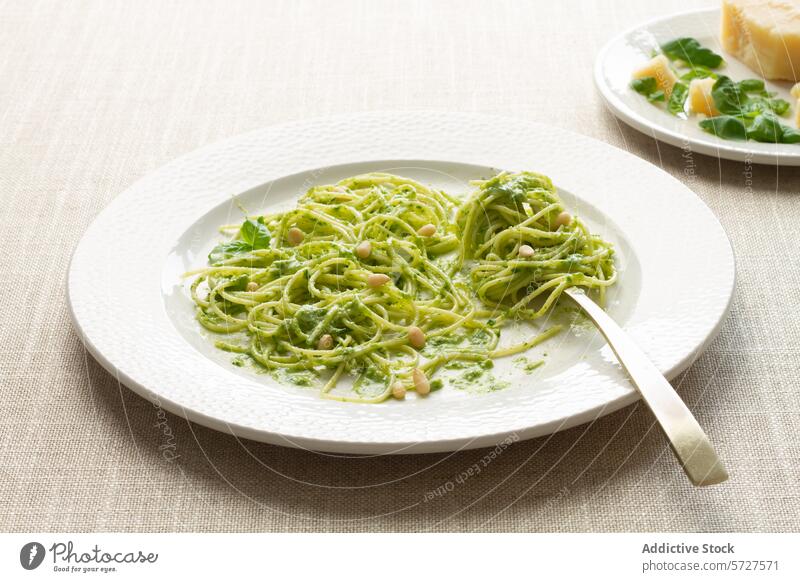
(376, 282)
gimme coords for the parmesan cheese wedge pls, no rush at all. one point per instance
(764, 35)
(658, 68)
(700, 99)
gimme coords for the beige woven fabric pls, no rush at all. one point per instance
(94, 95)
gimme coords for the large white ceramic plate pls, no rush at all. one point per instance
(631, 49)
(130, 305)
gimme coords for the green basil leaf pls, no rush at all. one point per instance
(751, 85)
(764, 105)
(648, 87)
(728, 96)
(765, 128)
(645, 86)
(227, 250)
(699, 72)
(734, 98)
(255, 233)
(691, 52)
(790, 135)
(725, 127)
(779, 106)
(677, 99)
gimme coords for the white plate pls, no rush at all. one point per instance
(128, 302)
(628, 51)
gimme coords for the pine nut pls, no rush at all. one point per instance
(427, 230)
(525, 251)
(398, 391)
(563, 218)
(416, 337)
(421, 383)
(377, 279)
(252, 286)
(364, 249)
(325, 342)
(295, 236)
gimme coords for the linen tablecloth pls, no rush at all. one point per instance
(96, 94)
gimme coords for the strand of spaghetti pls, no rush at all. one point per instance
(525, 346)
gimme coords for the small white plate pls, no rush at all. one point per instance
(130, 304)
(630, 50)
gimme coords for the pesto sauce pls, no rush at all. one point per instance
(241, 361)
(527, 365)
(477, 379)
(370, 382)
(303, 378)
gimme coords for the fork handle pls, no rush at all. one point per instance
(687, 439)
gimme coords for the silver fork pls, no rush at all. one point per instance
(687, 439)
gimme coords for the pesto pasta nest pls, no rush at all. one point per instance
(371, 285)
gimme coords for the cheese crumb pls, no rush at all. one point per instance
(700, 99)
(658, 68)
